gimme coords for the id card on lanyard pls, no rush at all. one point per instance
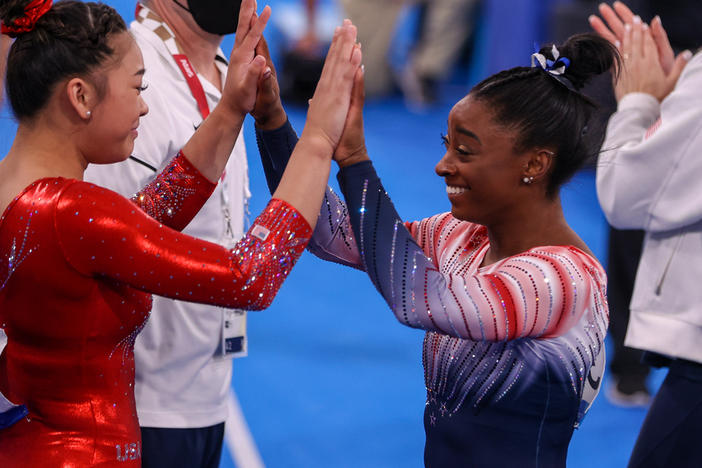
(232, 339)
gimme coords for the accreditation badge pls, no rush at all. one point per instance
(233, 342)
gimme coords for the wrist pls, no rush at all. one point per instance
(354, 158)
(317, 142)
(272, 120)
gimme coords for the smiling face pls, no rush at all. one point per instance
(112, 127)
(483, 173)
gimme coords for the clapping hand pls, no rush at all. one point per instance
(649, 63)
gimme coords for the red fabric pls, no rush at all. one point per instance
(77, 264)
(32, 12)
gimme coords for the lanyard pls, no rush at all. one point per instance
(151, 20)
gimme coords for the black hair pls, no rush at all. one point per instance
(549, 111)
(71, 39)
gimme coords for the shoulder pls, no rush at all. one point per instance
(569, 263)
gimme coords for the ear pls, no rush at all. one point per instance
(538, 164)
(82, 97)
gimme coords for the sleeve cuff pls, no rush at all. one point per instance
(643, 102)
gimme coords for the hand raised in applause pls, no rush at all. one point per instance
(642, 70)
(617, 17)
(330, 104)
(268, 110)
(245, 67)
(352, 146)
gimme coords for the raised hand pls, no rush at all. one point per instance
(618, 16)
(268, 110)
(352, 146)
(330, 104)
(246, 68)
(642, 70)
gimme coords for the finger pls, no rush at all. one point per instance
(623, 11)
(678, 66)
(242, 29)
(636, 37)
(331, 54)
(616, 25)
(254, 73)
(600, 28)
(665, 51)
(256, 32)
(358, 94)
(649, 46)
(626, 42)
(262, 49)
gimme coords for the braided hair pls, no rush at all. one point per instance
(549, 111)
(71, 39)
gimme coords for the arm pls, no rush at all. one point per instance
(176, 195)
(101, 234)
(645, 179)
(540, 293)
(333, 237)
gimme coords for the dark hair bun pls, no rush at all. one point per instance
(589, 55)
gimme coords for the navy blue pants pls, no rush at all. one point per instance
(181, 448)
(670, 435)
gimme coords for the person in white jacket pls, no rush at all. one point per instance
(648, 178)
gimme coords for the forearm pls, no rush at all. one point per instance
(305, 177)
(211, 145)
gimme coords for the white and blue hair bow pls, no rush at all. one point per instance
(557, 66)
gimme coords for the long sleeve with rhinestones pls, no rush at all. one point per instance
(333, 237)
(176, 195)
(103, 234)
(424, 273)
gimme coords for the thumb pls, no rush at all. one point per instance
(254, 72)
(680, 61)
(358, 93)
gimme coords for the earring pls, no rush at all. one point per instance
(88, 114)
(528, 180)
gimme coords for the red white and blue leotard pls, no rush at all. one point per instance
(77, 266)
(513, 351)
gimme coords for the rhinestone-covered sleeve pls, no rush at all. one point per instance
(176, 195)
(333, 238)
(539, 293)
(103, 234)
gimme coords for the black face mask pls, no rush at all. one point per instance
(214, 16)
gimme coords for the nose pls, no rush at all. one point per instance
(143, 107)
(445, 167)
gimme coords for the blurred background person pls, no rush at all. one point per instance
(646, 179)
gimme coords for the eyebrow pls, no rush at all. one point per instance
(468, 133)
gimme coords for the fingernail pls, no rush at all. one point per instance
(687, 55)
(267, 73)
(617, 44)
(363, 67)
(590, 18)
(645, 27)
(637, 19)
(627, 27)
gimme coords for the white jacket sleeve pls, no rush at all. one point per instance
(649, 171)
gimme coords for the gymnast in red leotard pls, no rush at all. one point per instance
(78, 262)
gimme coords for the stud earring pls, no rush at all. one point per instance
(528, 180)
(88, 114)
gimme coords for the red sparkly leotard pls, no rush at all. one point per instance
(77, 266)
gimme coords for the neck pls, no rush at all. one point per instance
(199, 46)
(530, 225)
(41, 149)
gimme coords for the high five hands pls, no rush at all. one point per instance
(649, 63)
